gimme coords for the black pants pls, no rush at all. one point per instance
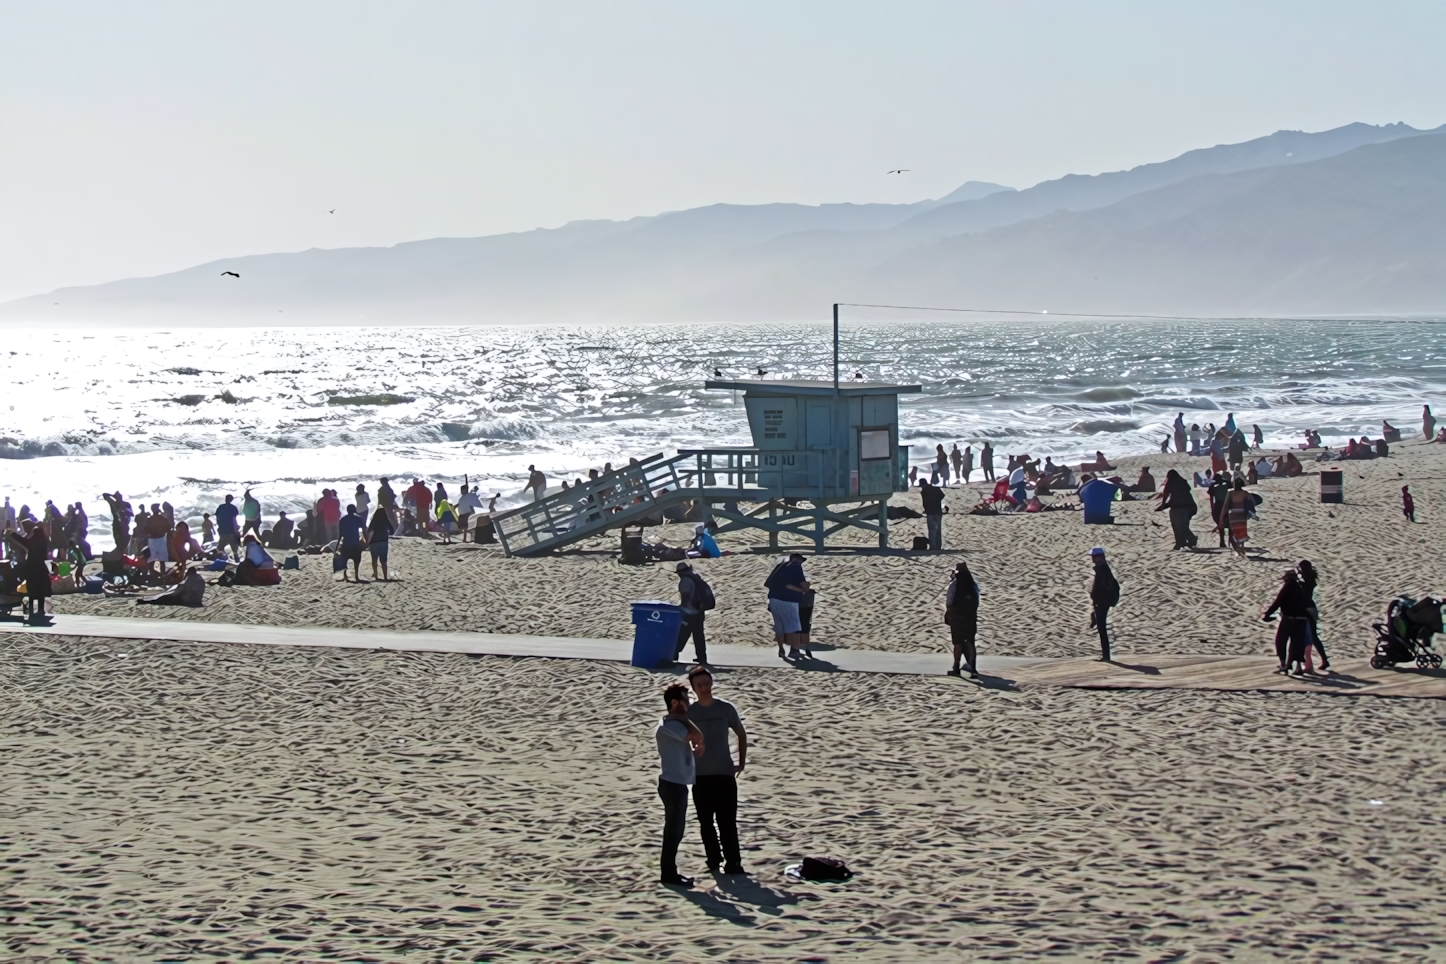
(715, 800)
(1180, 522)
(1100, 614)
(675, 822)
(962, 632)
(1291, 641)
(692, 626)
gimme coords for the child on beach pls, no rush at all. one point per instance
(1408, 504)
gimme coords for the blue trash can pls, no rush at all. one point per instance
(1098, 496)
(655, 633)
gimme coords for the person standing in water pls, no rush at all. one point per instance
(986, 461)
(1104, 596)
(961, 612)
(1180, 432)
(1428, 424)
(968, 463)
(537, 482)
(956, 458)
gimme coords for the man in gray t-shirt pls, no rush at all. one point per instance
(715, 785)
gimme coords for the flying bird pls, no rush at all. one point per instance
(231, 273)
(900, 170)
(332, 211)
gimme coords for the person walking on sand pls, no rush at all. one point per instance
(351, 539)
(1258, 441)
(1428, 423)
(694, 599)
(1308, 577)
(537, 482)
(680, 743)
(786, 585)
(1104, 596)
(1180, 432)
(1176, 497)
(715, 786)
(228, 534)
(941, 466)
(986, 461)
(35, 570)
(378, 538)
(1290, 637)
(961, 613)
(250, 514)
(933, 499)
(1235, 516)
(1408, 504)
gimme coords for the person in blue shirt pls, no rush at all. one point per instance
(227, 535)
(703, 541)
(351, 541)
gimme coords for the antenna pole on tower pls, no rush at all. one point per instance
(835, 349)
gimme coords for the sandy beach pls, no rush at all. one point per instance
(1033, 568)
(170, 801)
(182, 803)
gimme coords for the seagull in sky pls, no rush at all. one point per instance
(231, 273)
(332, 211)
(900, 170)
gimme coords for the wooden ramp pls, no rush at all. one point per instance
(1352, 677)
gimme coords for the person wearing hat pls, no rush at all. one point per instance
(691, 602)
(1104, 594)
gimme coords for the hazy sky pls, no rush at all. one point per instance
(140, 138)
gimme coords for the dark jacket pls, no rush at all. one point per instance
(1105, 589)
(1292, 602)
(933, 498)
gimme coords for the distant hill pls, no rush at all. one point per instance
(1344, 221)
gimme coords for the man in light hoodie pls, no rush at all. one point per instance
(680, 743)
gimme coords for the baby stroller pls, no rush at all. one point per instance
(1406, 633)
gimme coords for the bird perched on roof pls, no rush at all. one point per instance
(717, 373)
(858, 376)
(231, 273)
(761, 371)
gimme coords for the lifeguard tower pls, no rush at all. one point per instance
(825, 457)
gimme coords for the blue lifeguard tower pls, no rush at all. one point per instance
(825, 457)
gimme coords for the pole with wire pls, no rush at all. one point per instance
(835, 349)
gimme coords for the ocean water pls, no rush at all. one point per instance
(187, 415)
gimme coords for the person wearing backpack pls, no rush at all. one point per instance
(1104, 594)
(695, 598)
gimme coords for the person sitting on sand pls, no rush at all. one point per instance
(409, 523)
(183, 547)
(190, 591)
(282, 536)
(1441, 435)
(1146, 481)
(1263, 468)
(253, 556)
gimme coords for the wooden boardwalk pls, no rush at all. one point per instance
(1352, 676)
